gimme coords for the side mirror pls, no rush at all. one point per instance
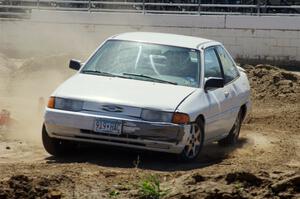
(213, 82)
(74, 64)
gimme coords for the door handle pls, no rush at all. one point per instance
(226, 93)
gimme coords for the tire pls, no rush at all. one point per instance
(57, 147)
(195, 145)
(233, 136)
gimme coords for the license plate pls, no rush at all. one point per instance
(108, 126)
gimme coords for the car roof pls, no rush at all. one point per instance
(164, 38)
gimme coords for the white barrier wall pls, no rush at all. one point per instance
(261, 39)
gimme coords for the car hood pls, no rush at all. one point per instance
(121, 91)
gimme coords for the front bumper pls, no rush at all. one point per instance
(154, 136)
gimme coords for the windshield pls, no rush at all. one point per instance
(148, 62)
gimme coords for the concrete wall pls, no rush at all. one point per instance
(252, 38)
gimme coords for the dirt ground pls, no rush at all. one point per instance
(264, 164)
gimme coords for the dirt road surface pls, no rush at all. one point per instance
(264, 164)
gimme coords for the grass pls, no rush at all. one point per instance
(149, 188)
(136, 162)
(113, 193)
(239, 187)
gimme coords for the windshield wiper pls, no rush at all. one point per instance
(100, 73)
(151, 78)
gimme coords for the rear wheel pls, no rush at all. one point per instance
(57, 147)
(194, 143)
(233, 136)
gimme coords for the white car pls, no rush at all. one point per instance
(152, 91)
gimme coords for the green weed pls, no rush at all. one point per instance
(149, 188)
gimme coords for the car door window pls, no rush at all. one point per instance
(211, 64)
(229, 68)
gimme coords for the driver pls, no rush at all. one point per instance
(180, 64)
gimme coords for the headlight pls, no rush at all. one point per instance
(156, 116)
(65, 104)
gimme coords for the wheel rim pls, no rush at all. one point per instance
(194, 142)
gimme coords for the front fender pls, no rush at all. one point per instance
(195, 104)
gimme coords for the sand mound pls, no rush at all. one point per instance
(6, 65)
(21, 186)
(234, 185)
(58, 63)
(271, 83)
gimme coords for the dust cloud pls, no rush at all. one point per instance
(33, 65)
(25, 87)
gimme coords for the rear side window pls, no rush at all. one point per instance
(229, 68)
(211, 64)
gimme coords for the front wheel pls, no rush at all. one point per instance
(56, 147)
(233, 136)
(194, 142)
